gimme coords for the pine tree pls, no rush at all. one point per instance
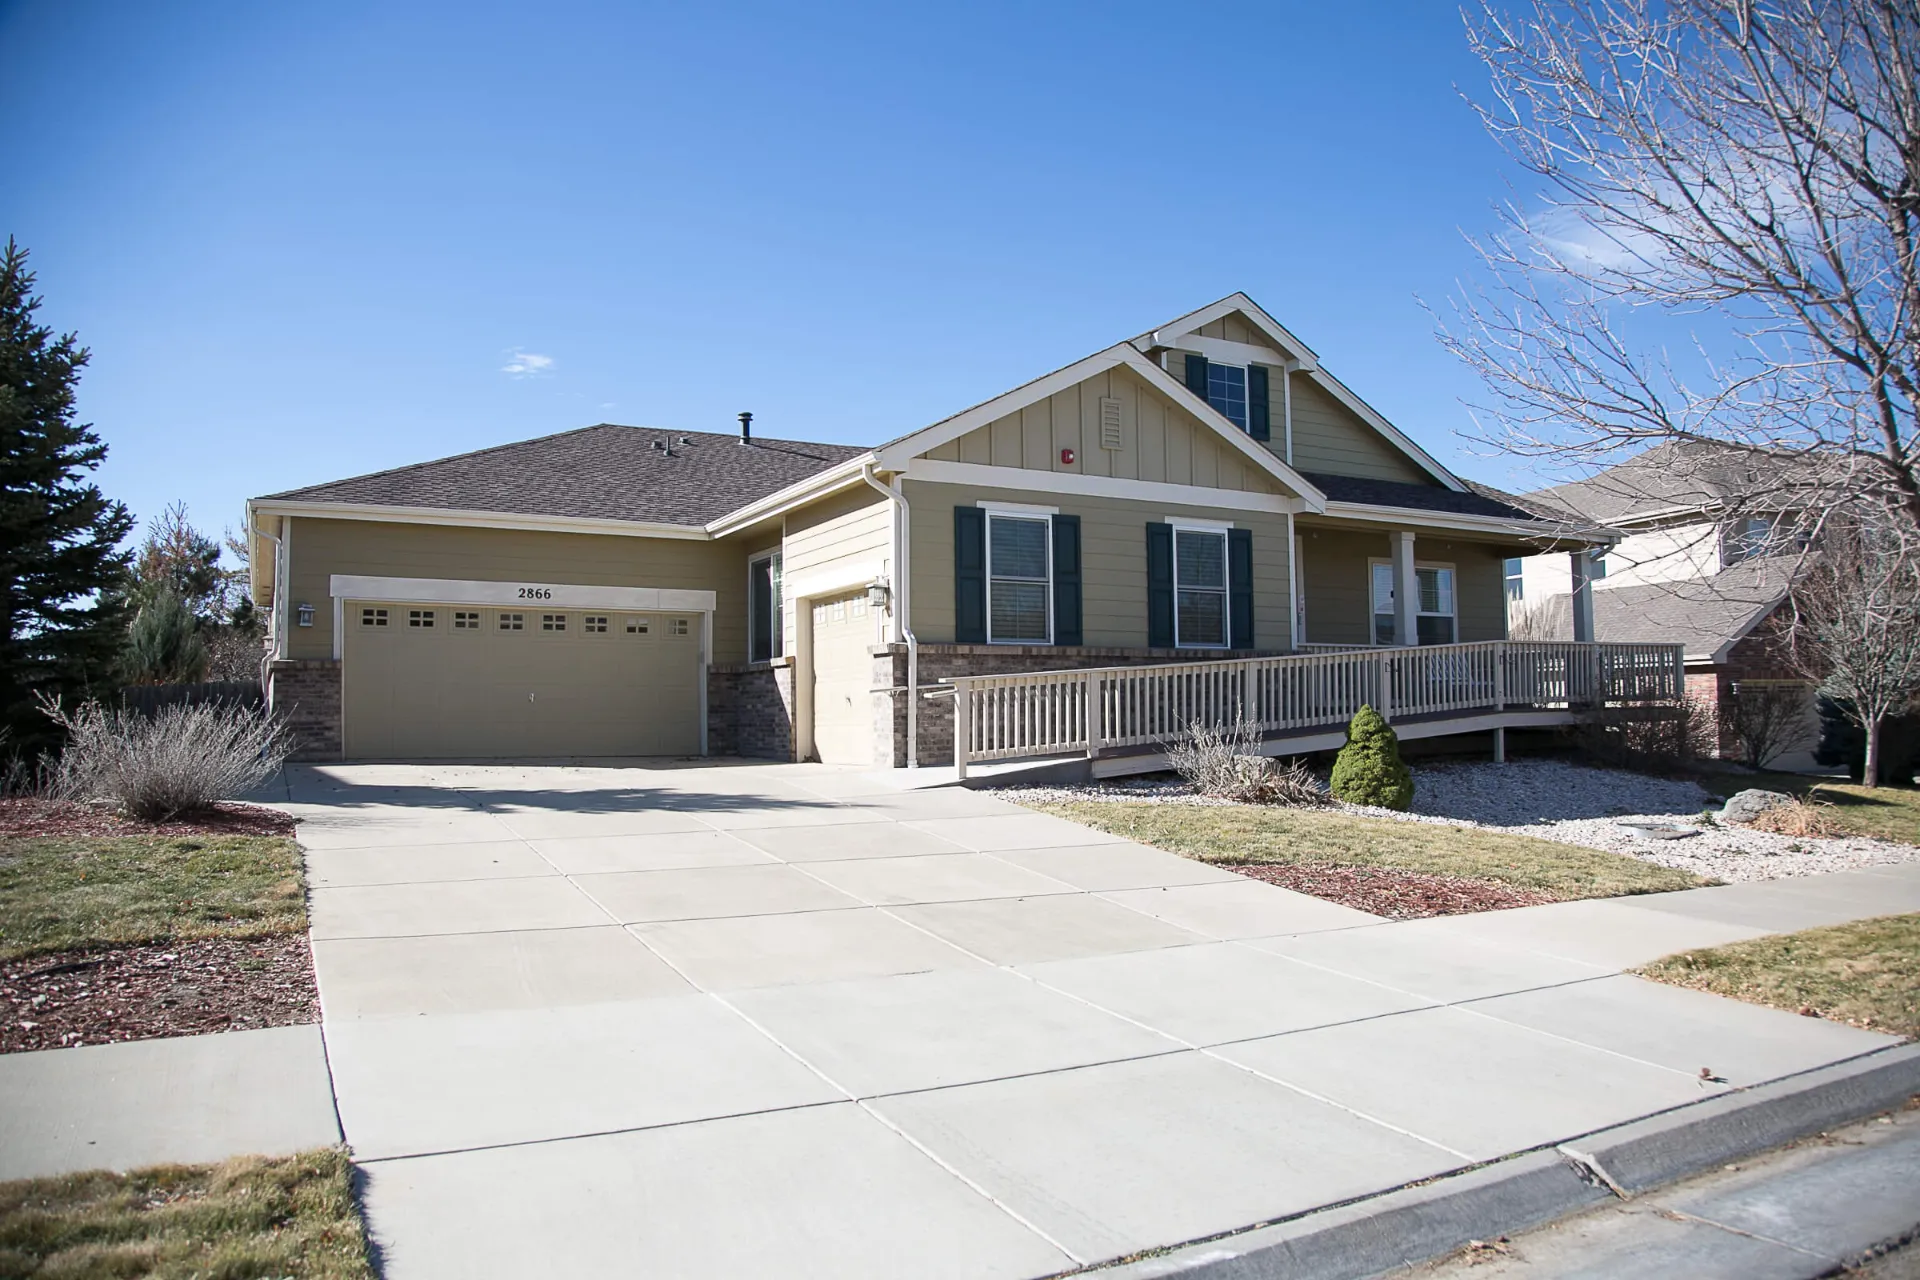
(1368, 769)
(62, 573)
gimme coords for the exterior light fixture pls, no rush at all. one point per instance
(878, 594)
(304, 612)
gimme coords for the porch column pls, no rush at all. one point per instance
(1582, 594)
(1406, 590)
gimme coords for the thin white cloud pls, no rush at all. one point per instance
(527, 364)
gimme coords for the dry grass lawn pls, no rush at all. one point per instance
(248, 1217)
(1884, 813)
(1239, 835)
(67, 893)
(1866, 973)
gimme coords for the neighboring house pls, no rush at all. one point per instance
(1202, 491)
(1687, 569)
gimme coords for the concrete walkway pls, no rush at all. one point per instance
(754, 1019)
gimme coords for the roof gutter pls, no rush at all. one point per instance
(477, 519)
(902, 600)
(840, 476)
(1472, 523)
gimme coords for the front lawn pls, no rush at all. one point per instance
(1254, 836)
(1884, 813)
(1866, 973)
(86, 892)
(248, 1217)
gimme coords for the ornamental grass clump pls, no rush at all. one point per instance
(1368, 769)
(1226, 763)
(181, 759)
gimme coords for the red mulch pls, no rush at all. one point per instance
(1398, 895)
(72, 998)
(25, 818)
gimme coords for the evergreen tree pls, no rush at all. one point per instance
(179, 558)
(1368, 769)
(62, 573)
(164, 645)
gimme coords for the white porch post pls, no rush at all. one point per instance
(1406, 590)
(1582, 595)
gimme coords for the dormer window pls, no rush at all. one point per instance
(1227, 391)
(1237, 391)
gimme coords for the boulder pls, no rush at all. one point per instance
(1747, 805)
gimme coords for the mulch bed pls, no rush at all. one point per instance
(27, 818)
(166, 989)
(1398, 895)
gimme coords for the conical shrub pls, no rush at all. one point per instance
(1368, 769)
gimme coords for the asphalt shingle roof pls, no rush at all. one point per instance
(1701, 614)
(1477, 501)
(604, 472)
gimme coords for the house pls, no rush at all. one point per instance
(1202, 491)
(1699, 562)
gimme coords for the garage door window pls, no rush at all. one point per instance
(420, 619)
(513, 622)
(553, 622)
(595, 623)
(638, 626)
(464, 621)
(373, 617)
(677, 627)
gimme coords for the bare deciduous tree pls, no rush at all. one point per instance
(1747, 169)
(1765, 719)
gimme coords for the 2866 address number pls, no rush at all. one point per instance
(536, 593)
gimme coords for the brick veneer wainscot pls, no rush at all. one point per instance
(305, 692)
(750, 710)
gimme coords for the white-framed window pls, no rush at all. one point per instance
(1514, 574)
(677, 627)
(513, 622)
(1199, 587)
(639, 627)
(465, 620)
(596, 623)
(373, 617)
(1434, 620)
(1019, 578)
(553, 622)
(1227, 391)
(421, 619)
(764, 608)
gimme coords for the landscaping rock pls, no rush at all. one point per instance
(1745, 806)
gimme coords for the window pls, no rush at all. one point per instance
(764, 608)
(422, 618)
(373, 617)
(513, 622)
(1745, 539)
(1227, 392)
(1200, 588)
(1516, 590)
(677, 627)
(638, 626)
(463, 621)
(1433, 612)
(594, 622)
(553, 622)
(1019, 586)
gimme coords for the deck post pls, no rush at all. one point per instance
(962, 702)
(1500, 744)
(1092, 713)
(1249, 696)
(1499, 677)
(1383, 682)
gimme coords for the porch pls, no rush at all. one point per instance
(1118, 719)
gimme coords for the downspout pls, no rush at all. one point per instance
(274, 629)
(902, 603)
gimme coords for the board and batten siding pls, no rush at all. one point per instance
(1159, 440)
(844, 534)
(1113, 561)
(1335, 566)
(1329, 437)
(323, 547)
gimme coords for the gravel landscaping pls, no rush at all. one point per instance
(1571, 804)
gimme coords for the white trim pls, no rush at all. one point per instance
(842, 475)
(505, 594)
(1225, 589)
(1539, 529)
(833, 579)
(779, 650)
(1453, 596)
(1296, 589)
(1189, 522)
(480, 519)
(1224, 351)
(981, 476)
(1046, 524)
(1015, 508)
(895, 454)
(1286, 404)
(1276, 332)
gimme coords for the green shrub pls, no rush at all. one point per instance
(1368, 769)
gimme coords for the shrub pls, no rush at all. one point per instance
(1797, 818)
(181, 759)
(1368, 769)
(1765, 719)
(1651, 737)
(1226, 762)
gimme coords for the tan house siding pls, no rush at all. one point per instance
(845, 533)
(1161, 441)
(1335, 567)
(1233, 328)
(323, 547)
(1328, 436)
(1113, 561)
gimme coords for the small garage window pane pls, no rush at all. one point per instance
(373, 617)
(553, 622)
(465, 621)
(638, 626)
(421, 618)
(594, 622)
(678, 627)
(513, 621)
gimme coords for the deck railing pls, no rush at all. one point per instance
(1097, 709)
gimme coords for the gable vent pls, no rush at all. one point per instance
(1110, 437)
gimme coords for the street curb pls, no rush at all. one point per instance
(1364, 1239)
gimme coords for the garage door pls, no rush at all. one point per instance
(431, 680)
(843, 634)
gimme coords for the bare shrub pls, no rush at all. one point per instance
(1797, 818)
(1661, 738)
(181, 759)
(1766, 719)
(1225, 761)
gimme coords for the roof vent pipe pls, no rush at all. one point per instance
(746, 428)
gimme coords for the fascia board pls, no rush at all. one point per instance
(1371, 416)
(1467, 523)
(1275, 331)
(1171, 387)
(479, 519)
(894, 455)
(978, 475)
(818, 485)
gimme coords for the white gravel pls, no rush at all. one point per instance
(1573, 804)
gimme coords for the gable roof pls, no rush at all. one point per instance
(1706, 616)
(603, 472)
(1681, 479)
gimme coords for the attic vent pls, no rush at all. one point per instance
(1110, 424)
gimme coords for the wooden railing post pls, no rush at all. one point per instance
(1094, 711)
(1500, 675)
(1249, 695)
(962, 715)
(1383, 681)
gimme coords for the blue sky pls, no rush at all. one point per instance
(306, 242)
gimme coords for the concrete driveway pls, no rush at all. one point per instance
(743, 1020)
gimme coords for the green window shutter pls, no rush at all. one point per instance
(1066, 580)
(1197, 375)
(969, 575)
(1160, 586)
(1240, 588)
(1259, 420)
